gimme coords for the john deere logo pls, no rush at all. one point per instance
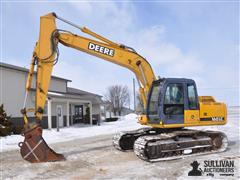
(195, 171)
(101, 49)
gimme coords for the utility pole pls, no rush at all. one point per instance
(134, 96)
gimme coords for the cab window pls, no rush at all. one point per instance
(174, 99)
(192, 100)
(153, 103)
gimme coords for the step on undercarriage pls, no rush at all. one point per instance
(167, 144)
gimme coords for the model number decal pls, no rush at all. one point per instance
(217, 118)
(212, 119)
(101, 49)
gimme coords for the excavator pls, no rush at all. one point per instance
(171, 105)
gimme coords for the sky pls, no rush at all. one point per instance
(196, 40)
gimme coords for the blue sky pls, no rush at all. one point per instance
(198, 40)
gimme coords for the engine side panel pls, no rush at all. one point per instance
(213, 113)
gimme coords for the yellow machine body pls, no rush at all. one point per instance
(45, 56)
(210, 113)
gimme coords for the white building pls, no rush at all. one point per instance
(69, 103)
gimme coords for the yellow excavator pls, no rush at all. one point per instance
(171, 104)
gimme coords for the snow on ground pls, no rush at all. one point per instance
(95, 157)
(125, 123)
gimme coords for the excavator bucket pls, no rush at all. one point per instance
(34, 148)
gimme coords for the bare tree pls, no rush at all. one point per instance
(140, 106)
(118, 96)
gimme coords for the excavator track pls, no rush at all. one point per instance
(179, 144)
(124, 140)
(168, 144)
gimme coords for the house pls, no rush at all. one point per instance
(70, 104)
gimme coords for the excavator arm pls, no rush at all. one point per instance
(45, 56)
(46, 52)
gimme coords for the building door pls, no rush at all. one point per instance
(78, 115)
(60, 115)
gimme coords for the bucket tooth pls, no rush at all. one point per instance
(35, 149)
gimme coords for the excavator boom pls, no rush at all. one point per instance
(45, 56)
(46, 53)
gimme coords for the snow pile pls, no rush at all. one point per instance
(125, 123)
(131, 116)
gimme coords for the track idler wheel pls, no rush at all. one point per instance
(34, 148)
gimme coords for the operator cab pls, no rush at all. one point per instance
(169, 98)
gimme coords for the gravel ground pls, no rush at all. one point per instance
(95, 158)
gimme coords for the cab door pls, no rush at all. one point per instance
(153, 103)
(173, 103)
(191, 113)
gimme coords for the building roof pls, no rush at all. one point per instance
(22, 69)
(80, 92)
(73, 93)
